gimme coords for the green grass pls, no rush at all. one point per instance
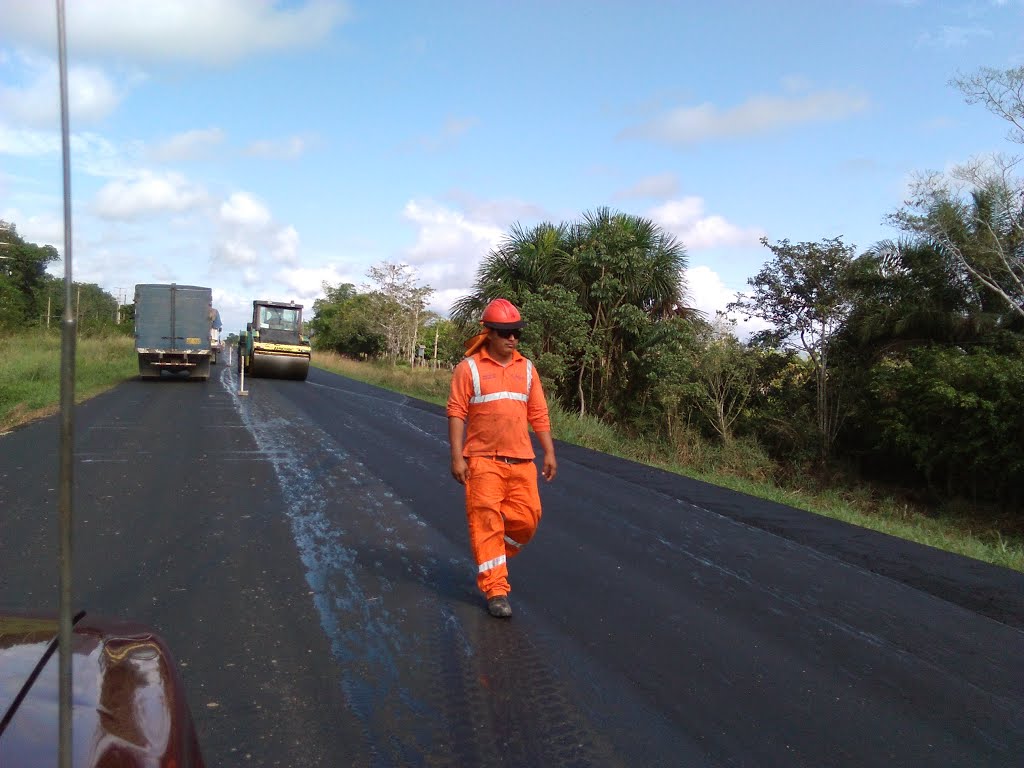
(740, 467)
(30, 372)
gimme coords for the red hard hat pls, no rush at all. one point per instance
(502, 315)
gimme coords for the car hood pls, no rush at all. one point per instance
(128, 704)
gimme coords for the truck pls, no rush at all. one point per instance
(216, 345)
(274, 345)
(172, 330)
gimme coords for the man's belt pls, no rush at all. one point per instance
(510, 460)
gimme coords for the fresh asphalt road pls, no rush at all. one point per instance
(303, 550)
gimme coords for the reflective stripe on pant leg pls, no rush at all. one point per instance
(521, 509)
(485, 491)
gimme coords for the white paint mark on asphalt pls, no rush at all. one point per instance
(313, 473)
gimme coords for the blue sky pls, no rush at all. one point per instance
(262, 148)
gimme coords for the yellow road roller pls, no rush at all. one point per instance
(273, 345)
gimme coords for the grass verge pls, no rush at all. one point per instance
(860, 505)
(30, 372)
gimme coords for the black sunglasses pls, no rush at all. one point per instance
(516, 332)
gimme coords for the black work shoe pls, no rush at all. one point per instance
(499, 606)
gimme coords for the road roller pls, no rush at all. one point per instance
(273, 345)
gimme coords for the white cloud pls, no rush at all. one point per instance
(90, 153)
(304, 285)
(251, 276)
(205, 31)
(708, 293)
(762, 114)
(441, 302)
(497, 213)
(287, 249)
(660, 186)
(96, 156)
(293, 146)
(248, 236)
(451, 131)
(42, 229)
(36, 102)
(235, 252)
(147, 194)
(187, 146)
(244, 210)
(449, 245)
(20, 142)
(686, 220)
(952, 37)
(796, 83)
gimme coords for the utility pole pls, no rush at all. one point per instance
(120, 292)
(435, 347)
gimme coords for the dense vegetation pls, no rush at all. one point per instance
(900, 366)
(30, 297)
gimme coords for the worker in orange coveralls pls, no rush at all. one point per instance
(495, 393)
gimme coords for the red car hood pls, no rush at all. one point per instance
(128, 704)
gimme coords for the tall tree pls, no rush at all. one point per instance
(523, 263)
(22, 276)
(802, 292)
(1001, 91)
(976, 215)
(909, 292)
(975, 212)
(401, 303)
(725, 380)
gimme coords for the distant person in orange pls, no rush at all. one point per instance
(495, 395)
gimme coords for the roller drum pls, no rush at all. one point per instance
(279, 366)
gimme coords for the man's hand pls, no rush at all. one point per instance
(460, 469)
(550, 466)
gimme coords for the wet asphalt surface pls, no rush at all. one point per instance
(303, 550)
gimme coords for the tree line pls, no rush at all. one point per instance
(901, 363)
(30, 297)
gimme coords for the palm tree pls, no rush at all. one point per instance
(985, 234)
(520, 265)
(911, 292)
(624, 270)
(616, 263)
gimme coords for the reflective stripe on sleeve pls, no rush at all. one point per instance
(513, 542)
(492, 564)
(529, 375)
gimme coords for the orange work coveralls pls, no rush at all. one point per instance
(497, 402)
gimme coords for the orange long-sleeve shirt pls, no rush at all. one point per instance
(497, 402)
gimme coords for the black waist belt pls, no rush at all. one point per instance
(510, 460)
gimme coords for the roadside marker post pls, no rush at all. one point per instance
(241, 388)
